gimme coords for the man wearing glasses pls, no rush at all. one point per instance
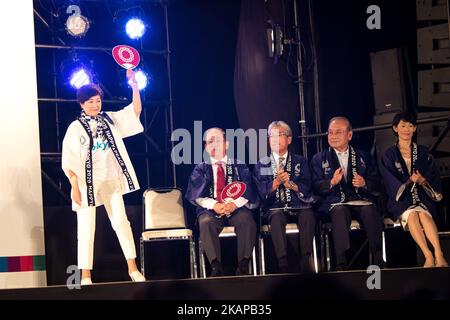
(284, 187)
(213, 213)
(344, 177)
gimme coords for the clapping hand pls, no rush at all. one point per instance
(417, 177)
(358, 181)
(337, 176)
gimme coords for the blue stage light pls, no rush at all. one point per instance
(135, 28)
(141, 79)
(79, 78)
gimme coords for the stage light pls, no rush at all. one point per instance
(135, 28)
(79, 78)
(141, 79)
(270, 42)
(275, 40)
(76, 24)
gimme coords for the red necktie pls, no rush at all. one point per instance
(220, 181)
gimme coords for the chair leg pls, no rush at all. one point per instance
(327, 252)
(201, 257)
(194, 274)
(316, 262)
(141, 252)
(255, 271)
(262, 263)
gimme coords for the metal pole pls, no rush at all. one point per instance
(174, 173)
(105, 49)
(156, 103)
(300, 82)
(55, 156)
(47, 25)
(379, 127)
(441, 136)
(55, 93)
(448, 17)
(55, 186)
(60, 100)
(146, 141)
(319, 145)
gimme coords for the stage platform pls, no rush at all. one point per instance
(411, 283)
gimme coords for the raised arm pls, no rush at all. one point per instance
(137, 104)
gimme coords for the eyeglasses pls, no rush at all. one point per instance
(214, 141)
(277, 134)
(336, 133)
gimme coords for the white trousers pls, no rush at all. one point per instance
(111, 194)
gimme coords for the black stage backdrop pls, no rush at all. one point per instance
(222, 73)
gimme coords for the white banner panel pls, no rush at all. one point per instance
(22, 253)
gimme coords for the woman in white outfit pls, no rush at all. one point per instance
(95, 160)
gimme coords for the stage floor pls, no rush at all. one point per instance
(433, 283)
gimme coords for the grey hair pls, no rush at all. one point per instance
(349, 124)
(282, 124)
(213, 128)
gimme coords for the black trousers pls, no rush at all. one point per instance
(306, 222)
(211, 227)
(369, 216)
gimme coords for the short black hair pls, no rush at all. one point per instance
(406, 117)
(88, 91)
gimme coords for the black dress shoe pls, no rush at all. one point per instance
(216, 269)
(283, 265)
(305, 265)
(243, 269)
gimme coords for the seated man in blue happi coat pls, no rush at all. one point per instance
(345, 177)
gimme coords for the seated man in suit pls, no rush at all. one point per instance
(284, 186)
(344, 177)
(204, 191)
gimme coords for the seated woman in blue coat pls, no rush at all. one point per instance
(283, 183)
(345, 177)
(413, 185)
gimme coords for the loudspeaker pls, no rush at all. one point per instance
(428, 133)
(434, 87)
(384, 138)
(388, 81)
(431, 10)
(432, 44)
(443, 165)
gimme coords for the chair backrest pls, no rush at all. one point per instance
(163, 209)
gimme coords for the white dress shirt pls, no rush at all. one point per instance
(343, 161)
(208, 203)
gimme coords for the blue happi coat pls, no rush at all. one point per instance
(323, 166)
(300, 175)
(202, 179)
(395, 174)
